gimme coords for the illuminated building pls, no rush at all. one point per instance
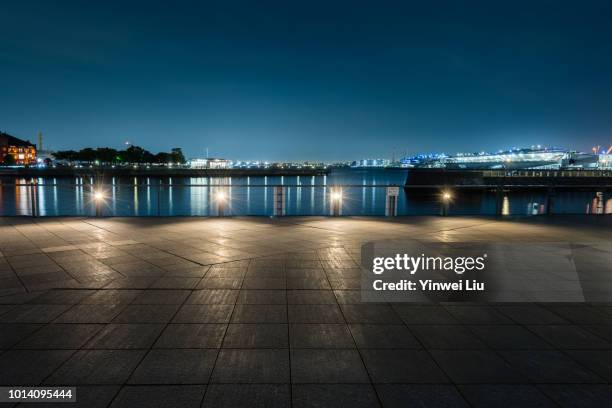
(209, 164)
(23, 152)
(371, 163)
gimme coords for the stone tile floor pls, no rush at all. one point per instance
(266, 312)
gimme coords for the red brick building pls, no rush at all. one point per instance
(23, 152)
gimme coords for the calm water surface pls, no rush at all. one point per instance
(193, 196)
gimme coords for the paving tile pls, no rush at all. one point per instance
(424, 314)
(161, 297)
(162, 366)
(447, 337)
(306, 273)
(548, 366)
(30, 367)
(505, 337)
(334, 395)
(60, 336)
(264, 283)
(603, 331)
(33, 313)
(262, 297)
(146, 314)
(597, 361)
(402, 366)
(222, 283)
(327, 366)
(314, 314)
(486, 396)
(252, 366)
(62, 297)
(260, 314)
(570, 337)
(477, 315)
(97, 367)
(112, 297)
(579, 396)
(90, 314)
(125, 336)
(88, 396)
(11, 334)
(191, 336)
(213, 297)
(476, 366)
(260, 336)
(348, 297)
(345, 284)
(204, 314)
(247, 396)
(320, 336)
(311, 297)
(383, 336)
(420, 395)
(531, 314)
(175, 283)
(580, 314)
(308, 283)
(132, 283)
(160, 396)
(370, 313)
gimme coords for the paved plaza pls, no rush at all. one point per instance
(259, 312)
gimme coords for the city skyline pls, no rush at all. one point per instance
(328, 82)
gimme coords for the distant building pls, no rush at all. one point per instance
(371, 163)
(209, 164)
(23, 152)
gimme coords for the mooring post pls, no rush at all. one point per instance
(159, 188)
(33, 198)
(391, 201)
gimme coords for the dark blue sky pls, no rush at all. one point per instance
(306, 80)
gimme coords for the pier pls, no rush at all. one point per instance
(500, 181)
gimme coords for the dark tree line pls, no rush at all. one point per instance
(133, 154)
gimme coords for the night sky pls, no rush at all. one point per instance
(306, 80)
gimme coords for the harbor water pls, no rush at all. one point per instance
(363, 194)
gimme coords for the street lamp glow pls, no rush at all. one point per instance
(446, 196)
(220, 196)
(98, 195)
(336, 195)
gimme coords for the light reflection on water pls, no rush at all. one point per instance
(195, 196)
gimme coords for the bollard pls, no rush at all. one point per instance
(445, 198)
(33, 199)
(159, 188)
(335, 201)
(221, 198)
(279, 201)
(391, 201)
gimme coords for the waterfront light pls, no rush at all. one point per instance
(220, 196)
